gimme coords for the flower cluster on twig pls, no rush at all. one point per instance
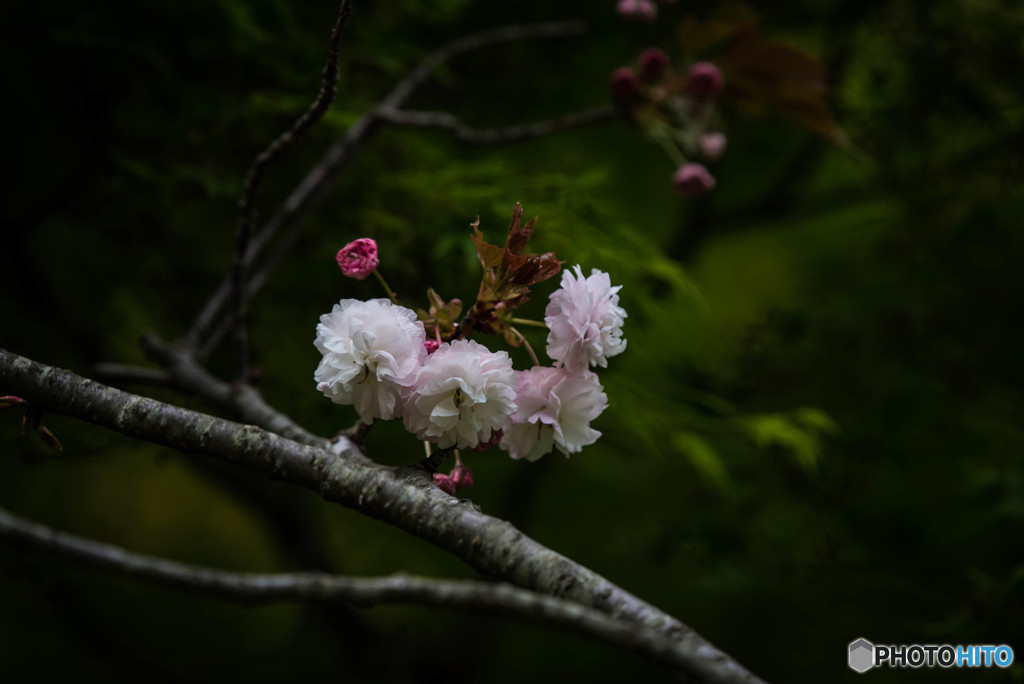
(389, 361)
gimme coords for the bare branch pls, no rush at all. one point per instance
(328, 89)
(241, 400)
(402, 497)
(121, 374)
(311, 190)
(493, 136)
(364, 592)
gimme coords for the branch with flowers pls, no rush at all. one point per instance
(434, 368)
(389, 361)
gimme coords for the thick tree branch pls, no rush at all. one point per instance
(405, 498)
(246, 205)
(311, 190)
(364, 592)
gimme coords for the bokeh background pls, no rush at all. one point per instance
(815, 434)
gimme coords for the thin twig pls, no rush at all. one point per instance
(313, 187)
(246, 205)
(494, 136)
(364, 592)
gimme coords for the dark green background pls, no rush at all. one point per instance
(815, 433)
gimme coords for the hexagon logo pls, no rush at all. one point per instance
(862, 655)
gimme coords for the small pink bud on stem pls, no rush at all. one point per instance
(625, 87)
(693, 180)
(445, 484)
(712, 145)
(705, 80)
(358, 258)
(461, 476)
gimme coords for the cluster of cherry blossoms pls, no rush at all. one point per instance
(676, 110)
(389, 361)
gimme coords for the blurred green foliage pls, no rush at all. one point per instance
(815, 434)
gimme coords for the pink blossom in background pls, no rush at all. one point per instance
(358, 258)
(625, 87)
(693, 179)
(712, 145)
(585, 320)
(705, 80)
(554, 410)
(644, 10)
(653, 63)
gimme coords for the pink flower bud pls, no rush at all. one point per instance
(653, 62)
(445, 484)
(431, 346)
(693, 180)
(358, 259)
(462, 476)
(712, 145)
(705, 80)
(643, 10)
(625, 87)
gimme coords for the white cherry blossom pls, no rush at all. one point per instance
(463, 393)
(371, 353)
(555, 407)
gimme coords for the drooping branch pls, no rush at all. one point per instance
(363, 592)
(402, 497)
(246, 205)
(208, 328)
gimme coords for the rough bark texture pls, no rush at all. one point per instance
(405, 498)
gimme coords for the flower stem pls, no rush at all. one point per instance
(387, 288)
(527, 321)
(661, 135)
(526, 344)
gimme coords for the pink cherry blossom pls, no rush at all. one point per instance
(585, 320)
(554, 410)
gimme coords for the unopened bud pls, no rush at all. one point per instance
(462, 476)
(653, 62)
(712, 145)
(358, 259)
(705, 80)
(693, 179)
(431, 346)
(643, 10)
(444, 483)
(625, 87)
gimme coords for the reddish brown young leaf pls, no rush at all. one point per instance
(760, 72)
